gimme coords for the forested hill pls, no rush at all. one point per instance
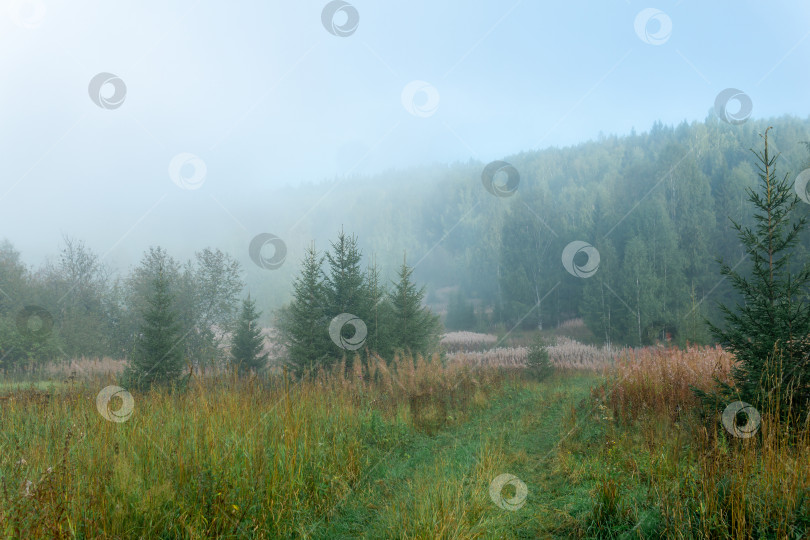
(655, 206)
(623, 232)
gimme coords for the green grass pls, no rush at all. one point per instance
(241, 460)
(343, 458)
(7, 387)
(438, 487)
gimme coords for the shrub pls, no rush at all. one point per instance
(537, 361)
(247, 345)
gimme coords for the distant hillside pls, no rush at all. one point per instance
(654, 205)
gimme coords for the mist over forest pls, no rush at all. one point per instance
(656, 205)
(410, 270)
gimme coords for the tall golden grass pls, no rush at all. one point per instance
(227, 457)
(704, 482)
(660, 379)
(467, 341)
(566, 353)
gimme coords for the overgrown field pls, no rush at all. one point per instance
(406, 449)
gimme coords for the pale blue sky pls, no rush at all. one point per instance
(265, 96)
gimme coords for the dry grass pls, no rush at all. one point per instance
(565, 354)
(467, 341)
(85, 368)
(571, 324)
(263, 458)
(699, 480)
(500, 357)
(659, 379)
(570, 354)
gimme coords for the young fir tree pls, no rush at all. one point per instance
(538, 363)
(247, 345)
(345, 284)
(415, 328)
(158, 355)
(346, 288)
(768, 332)
(304, 325)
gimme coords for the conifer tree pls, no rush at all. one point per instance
(345, 282)
(768, 332)
(346, 288)
(415, 328)
(304, 325)
(247, 345)
(158, 355)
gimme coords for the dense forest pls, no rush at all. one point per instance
(657, 207)
(625, 232)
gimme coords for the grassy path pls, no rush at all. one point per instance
(438, 487)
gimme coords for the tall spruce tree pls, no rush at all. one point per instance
(304, 323)
(158, 355)
(247, 345)
(346, 287)
(768, 333)
(345, 282)
(415, 328)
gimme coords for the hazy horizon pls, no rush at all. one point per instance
(265, 97)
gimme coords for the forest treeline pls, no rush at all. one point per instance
(76, 306)
(165, 316)
(624, 232)
(655, 207)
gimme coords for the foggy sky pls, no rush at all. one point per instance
(266, 96)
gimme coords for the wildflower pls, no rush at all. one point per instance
(28, 488)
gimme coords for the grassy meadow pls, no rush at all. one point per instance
(610, 445)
